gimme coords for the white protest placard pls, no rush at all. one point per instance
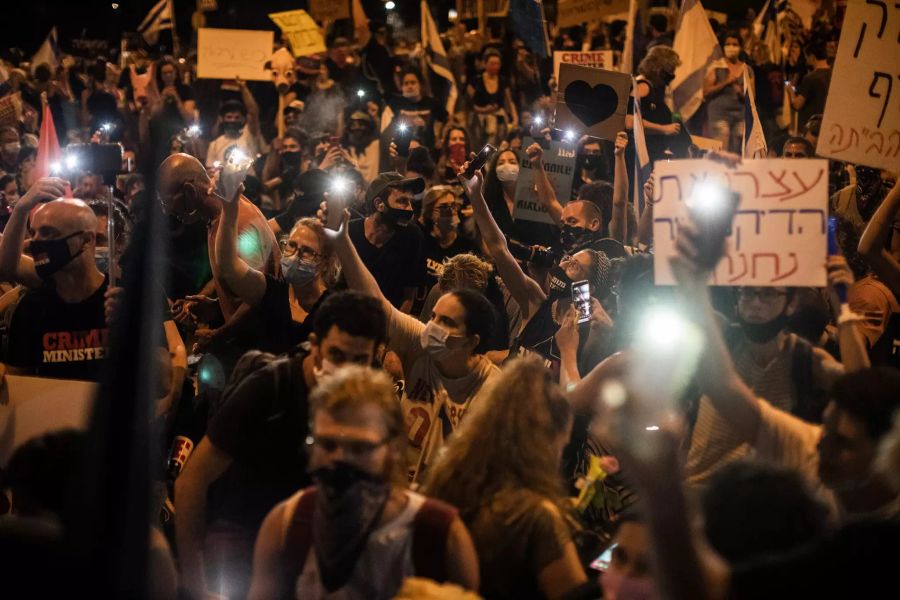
(591, 101)
(862, 111)
(33, 406)
(598, 59)
(233, 54)
(559, 164)
(576, 12)
(778, 237)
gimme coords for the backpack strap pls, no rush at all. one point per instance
(297, 541)
(431, 528)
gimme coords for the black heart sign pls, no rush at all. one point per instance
(591, 105)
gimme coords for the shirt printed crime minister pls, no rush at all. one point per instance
(432, 404)
(52, 338)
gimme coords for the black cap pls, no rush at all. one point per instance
(392, 179)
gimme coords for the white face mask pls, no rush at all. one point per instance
(434, 341)
(732, 51)
(507, 172)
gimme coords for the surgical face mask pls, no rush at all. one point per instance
(101, 259)
(732, 51)
(508, 172)
(291, 159)
(52, 255)
(297, 271)
(12, 148)
(434, 340)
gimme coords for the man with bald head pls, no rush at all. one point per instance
(186, 192)
(58, 328)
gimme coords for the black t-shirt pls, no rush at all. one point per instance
(262, 426)
(434, 256)
(427, 108)
(279, 332)
(52, 338)
(396, 265)
(814, 88)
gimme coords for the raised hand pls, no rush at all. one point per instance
(621, 143)
(44, 190)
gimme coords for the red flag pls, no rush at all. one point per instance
(48, 151)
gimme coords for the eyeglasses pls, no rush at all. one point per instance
(766, 295)
(290, 248)
(352, 448)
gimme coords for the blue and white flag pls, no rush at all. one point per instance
(160, 17)
(527, 20)
(642, 165)
(48, 53)
(436, 56)
(754, 145)
(697, 46)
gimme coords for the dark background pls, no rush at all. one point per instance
(28, 24)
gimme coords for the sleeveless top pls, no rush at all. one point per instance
(381, 568)
(484, 98)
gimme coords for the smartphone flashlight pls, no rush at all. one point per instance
(107, 127)
(538, 120)
(71, 162)
(662, 330)
(570, 135)
(402, 127)
(360, 93)
(193, 131)
(56, 168)
(339, 185)
(707, 199)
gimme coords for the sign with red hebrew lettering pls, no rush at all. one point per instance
(862, 112)
(778, 236)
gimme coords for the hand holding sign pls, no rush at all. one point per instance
(591, 101)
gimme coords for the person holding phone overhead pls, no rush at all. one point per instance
(422, 115)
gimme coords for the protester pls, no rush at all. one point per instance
(723, 90)
(809, 97)
(656, 72)
(492, 101)
(358, 531)
(239, 124)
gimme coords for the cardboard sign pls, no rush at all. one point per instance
(233, 54)
(329, 10)
(598, 59)
(576, 12)
(778, 237)
(862, 111)
(591, 101)
(11, 110)
(301, 32)
(33, 406)
(559, 164)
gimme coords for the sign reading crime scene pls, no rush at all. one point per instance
(301, 32)
(862, 111)
(233, 54)
(778, 237)
(598, 59)
(559, 164)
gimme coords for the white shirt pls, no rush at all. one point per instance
(247, 142)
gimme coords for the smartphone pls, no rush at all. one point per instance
(334, 140)
(402, 138)
(581, 298)
(480, 159)
(712, 210)
(335, 203)
(601, 563)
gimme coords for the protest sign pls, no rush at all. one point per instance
(301, 32)
(233, 54)
(592, 101)
(705, 143)
(33, 406)
(778, 237)
(329, 10)
(862, 115)
(576, 12)
(559, 164)
(11, 110)
(598, 59)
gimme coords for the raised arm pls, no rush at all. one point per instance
(545, 192)
(645, 224)
(252, 108)
(358, 276)
(524, 290)
(15, 266)
(242, 279)
(618, 224)
(874, 239)
(854, 355)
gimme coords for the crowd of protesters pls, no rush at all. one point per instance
(373, 381)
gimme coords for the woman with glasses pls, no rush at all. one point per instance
(285, 303)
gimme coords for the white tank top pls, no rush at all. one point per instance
(381, 568)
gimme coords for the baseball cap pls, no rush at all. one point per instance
(392, 179)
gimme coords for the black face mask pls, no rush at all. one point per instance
(560, 284)
(591, 161)
(667, 77)
(232, 129)
(52, 255)
(348, 506)
(291, 159)
(760, 333)
(396, 217)
(574, 238)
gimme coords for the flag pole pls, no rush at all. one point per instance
(176, 46)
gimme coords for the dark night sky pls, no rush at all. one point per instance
(95, 19)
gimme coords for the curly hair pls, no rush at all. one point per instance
(464, 271)
(659, 60)
(330, 267)
(502, 444)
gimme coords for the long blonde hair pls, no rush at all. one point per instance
(503, 442)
